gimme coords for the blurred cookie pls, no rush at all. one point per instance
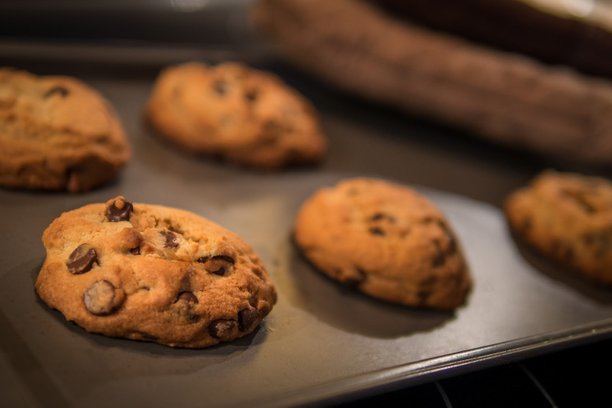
(153, 273)
(385, 239)
(568, 218)
(56, 133)
(243, 115)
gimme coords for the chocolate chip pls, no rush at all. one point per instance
(439, 258)
(171, 239)
(426, 288)
(220, 87)
(273, 129)
(377, 231)
(246, 318)
(251, 95)
(430, 220)
(82, 259)
(218, 264)
(187, 297)
(57, 90)
(221, 328)
(99, 298)
(119, 210)
(379, 216)
(423, 295)
(580, 199)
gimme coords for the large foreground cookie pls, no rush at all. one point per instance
(153, 273)
(387, 240)
(243, 115)
(56, 133)
(568, 218)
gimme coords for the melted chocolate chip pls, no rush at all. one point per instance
(221, 328)
(119, 210)
(218, 264)
(99, 298)
(377, 231)
(251, 95)
(426, 288)
(423, 295)
(220, 87)
(439, 258)
(379, 216)
(246, 318)
(187, 297)
(82, 259)
(171, 239)
(57, 91)
(580, 199)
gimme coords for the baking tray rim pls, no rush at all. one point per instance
(437, 368)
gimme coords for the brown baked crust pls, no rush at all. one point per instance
(568, 218)
(246, 116)
(57, 133)
(153, 273)
(386, 240)
(503, 97)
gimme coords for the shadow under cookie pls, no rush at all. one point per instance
(562, 273)
(344, 307)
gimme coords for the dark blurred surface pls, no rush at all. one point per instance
(199, 22)
(567, 37)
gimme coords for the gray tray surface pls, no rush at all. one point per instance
(321, 340)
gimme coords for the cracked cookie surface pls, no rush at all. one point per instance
(153, 273)
(57, 133)
(386, 240)
(241, 114)
(567, 217)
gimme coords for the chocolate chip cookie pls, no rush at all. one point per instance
(246, 116)
(56, 133)
(385, 239)
(153, 273)
(568, 218)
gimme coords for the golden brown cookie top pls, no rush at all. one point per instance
(57, 133)
(567, 217)
(386, 239)
(244, 115)
(153, 273)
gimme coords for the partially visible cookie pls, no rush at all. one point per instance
(568, 218)
(153, 273)
(241, 114)
(385, 239)
(56, 133)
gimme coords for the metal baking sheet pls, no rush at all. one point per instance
(321, 341)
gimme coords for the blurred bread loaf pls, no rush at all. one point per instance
(503, 96)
